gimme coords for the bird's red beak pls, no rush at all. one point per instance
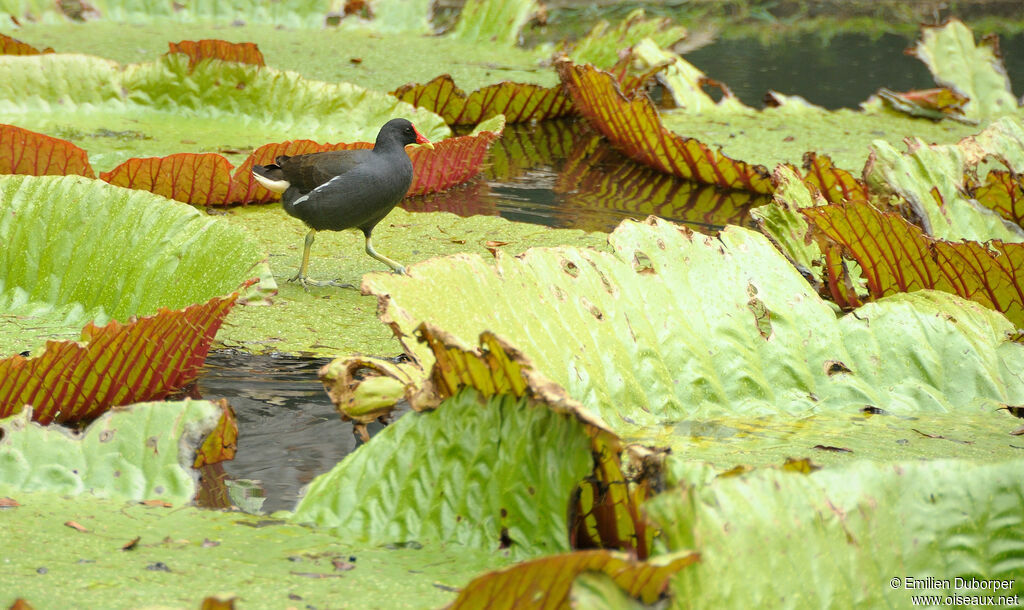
(422, 139)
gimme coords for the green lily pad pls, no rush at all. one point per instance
(106, 252)
(856, 536)
(486, 474)
(142, 452)
(184, 555)
(163, 107)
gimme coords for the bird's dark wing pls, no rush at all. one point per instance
(306, 172)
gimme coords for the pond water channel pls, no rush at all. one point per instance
(555, 173)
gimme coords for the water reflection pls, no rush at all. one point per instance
(289, 431)
(562, 174)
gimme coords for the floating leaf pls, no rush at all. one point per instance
(199, 50)
(453, 161)
(493, 21)
(116, 364)
(896, 256)
(973, 71)
(604, 43)
(672, 328)
(141, 452)
(684, 81)
(545, 582)
(128, 252)
(203, 179)
(27, 152)
(519, 102)
(11, 46)
(931, 180)
(939, 103)
(834, 184)
(1004, 193)
(597, 177)
(468, 472)
(633, 126)
(860, 536)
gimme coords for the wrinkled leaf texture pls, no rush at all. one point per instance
(837, 537)
(142, 452)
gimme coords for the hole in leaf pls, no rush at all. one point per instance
(835, 367)
(570, 268)
(642, 263)
(506, 541)
(594, 311)
(106, 436)
(762, 316)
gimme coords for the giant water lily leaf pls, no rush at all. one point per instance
(1003, 192)
(466, 473)
(219, 105)
(201, 179)
(129, 252)
(495, 22)
(784, 224)
(896, 256)
(290, 13)
(677, 326)
(12, 46)
(974, 71)
(603, 45)
(27, 152)
(143, 452)
(212, 48)
(597, 177)
(633, 126)
(931, 179)
(684, 81)
(519, 102)
(546, 582)
(112, 365)
(777, 538)
(278, 561)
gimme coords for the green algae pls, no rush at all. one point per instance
(185, 555)
(369, 59)
(784, 134)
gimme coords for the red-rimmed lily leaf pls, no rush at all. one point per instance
(937, 103)
(975, 72)
(35, 154)
(452, 161)
(198, 50)
(545, 582)
(896, 256)
(519, 102)
(1003, 192)
(221, 443)
(634, 127)
(247, 190)
(116, 364)
(11, 46)
(598, 177)
(203, 179)
(834, 184)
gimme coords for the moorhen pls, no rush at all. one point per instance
(344, 189)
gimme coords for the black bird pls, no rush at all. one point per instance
(345, 189)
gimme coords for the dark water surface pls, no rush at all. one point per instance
(556, 173)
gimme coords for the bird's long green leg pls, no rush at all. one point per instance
(399, 269)
(301, 275)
